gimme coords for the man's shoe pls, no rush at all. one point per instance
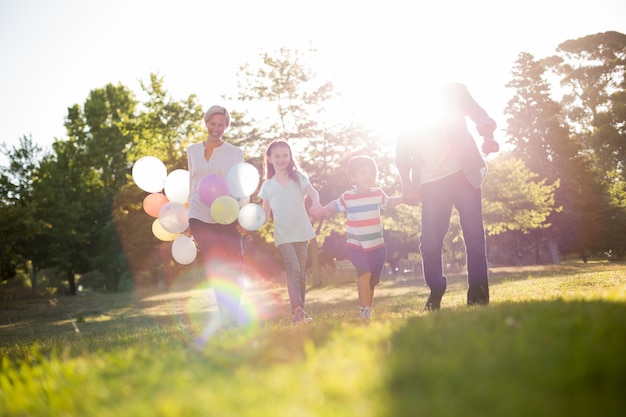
(477, 302)
(478, 295)
(433, 303)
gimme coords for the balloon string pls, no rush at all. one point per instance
(244, 242)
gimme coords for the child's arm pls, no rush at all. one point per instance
(330, 208)
(315, 198)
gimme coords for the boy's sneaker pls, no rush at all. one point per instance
(300, 316)
(366, 312)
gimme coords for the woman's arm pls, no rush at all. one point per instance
(267, 210)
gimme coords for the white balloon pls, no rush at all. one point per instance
(184, 250)
(251, 217)
(177, 186)
(242, 179)
(149, 174)
(174, 217)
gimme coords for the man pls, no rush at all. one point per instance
(440, 165)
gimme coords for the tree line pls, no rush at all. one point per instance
(560, 191)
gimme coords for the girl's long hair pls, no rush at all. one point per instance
(292, 168)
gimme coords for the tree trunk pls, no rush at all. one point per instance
(71, 280)
(554, 250)
(32, 275)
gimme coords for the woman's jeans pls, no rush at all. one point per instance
(438, 198)
(220, 246)
(294, 256)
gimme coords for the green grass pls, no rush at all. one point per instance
(552, 343)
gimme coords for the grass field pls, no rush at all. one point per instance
(551, 343)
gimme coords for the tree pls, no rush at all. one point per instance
(81, 197)
(108, 229)
(164, 128)
(592, 71)
(516, 202)
(68, 197)
(540, 134)
(20, 224)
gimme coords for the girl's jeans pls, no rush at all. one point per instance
(294, 256)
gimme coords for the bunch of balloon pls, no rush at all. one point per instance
(224, 195)
(167, 203)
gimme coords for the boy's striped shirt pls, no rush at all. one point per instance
(363, 224)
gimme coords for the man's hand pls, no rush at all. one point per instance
(489, 146)
(410, 194)
(315, 211)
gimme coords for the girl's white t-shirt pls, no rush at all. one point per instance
(291, 221)
(224, 157)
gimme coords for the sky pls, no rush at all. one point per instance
(377, 53)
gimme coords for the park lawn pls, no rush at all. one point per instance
(552, 343)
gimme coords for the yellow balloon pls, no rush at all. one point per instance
(224, 209)
(160, 233)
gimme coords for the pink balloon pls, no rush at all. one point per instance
(153, 203)
(211, 187)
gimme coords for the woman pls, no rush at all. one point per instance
(219, 244)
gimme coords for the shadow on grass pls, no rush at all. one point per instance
(554, 358)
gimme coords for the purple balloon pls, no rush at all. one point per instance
(211, 187)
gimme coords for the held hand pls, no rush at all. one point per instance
(315, 211)
(410, 195)
(489, 146)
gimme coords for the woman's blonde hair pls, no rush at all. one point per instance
(213, 110)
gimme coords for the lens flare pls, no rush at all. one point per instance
(192, 303)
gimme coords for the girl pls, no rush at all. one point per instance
(364, 230)
(283, 194)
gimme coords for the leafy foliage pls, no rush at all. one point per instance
(20, 225)
(76, 209)
(514, 199)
